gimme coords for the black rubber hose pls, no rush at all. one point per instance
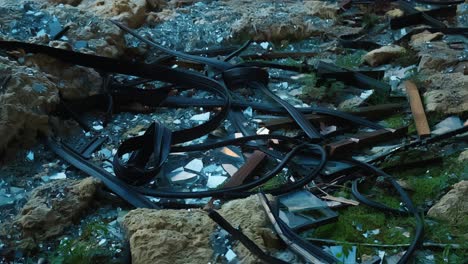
(238, 235)
(242, 190)
(419, 233)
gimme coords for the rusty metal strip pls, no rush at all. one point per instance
(417, 109)
(246, 170)
(345, 146)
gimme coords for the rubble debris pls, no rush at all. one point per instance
(239, 213)
(424, 37)
(132, 12)
(446, 93)
(171, 174)
(265, 22)
(463, 156)
(182, 236)
(74, 82)
(383, 55)
(395, 13)
(55, 206)
(169, 236)
(24, 110)
(438, 56)
(452, 207)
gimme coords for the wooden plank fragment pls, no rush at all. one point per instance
(417, 109)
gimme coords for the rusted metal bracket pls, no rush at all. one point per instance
(344, 147)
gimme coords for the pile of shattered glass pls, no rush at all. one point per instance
(301, 211)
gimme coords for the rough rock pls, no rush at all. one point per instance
(55, 206)
(394, 13)
(131, 12)
(463, 156)
(276, 22)
(446, 93)
(453, 207)
(217, 23)
(438, 56)
(87, 31)
(156, 4)
(25, 101)
(182, 236)
(169, 236)
(249, 215)
(73, 81)
(383, 55)
(424, 37)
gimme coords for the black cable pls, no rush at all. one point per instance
(419, 233)
(238, 235)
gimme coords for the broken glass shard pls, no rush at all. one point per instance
(80, 44)
(292, 220)
(39, 88)
(58, 176)
(182, 176)
(447, 125)
(201, 117)
(215, 181)
(230, 255)
(301, 201)
(263, 131)
(264, 45)
(248, 112)
(230, 169)
(30, 156)
(196, 165)
(348, 257)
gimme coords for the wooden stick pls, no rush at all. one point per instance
(418, 110)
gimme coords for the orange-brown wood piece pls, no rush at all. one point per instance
(417, 108)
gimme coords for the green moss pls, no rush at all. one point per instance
(369, 20)
(280, 179)
(395, 121)
(407, 58)
(354, 221)
(325, 90)
(432, 181)
(94, 229)
(350, 61)
(83, 249)
(293, 62)
(400, 120)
